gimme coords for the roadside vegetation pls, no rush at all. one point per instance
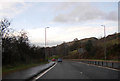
(90, 48)
(17, 52)
(9, 68)
(94, 48)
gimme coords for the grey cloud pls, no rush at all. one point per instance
(11, 9)
(112, 16)
(77, 12)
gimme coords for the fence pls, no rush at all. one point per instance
(110, 64)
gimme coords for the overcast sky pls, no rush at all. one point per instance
(67, 20)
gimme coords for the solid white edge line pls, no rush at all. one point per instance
(100, 66)
(40, 75)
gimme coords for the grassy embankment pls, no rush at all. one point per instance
(97, 60)
(74, 55)
(9, 68)
(112, 51)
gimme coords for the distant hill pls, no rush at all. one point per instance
(94, 48)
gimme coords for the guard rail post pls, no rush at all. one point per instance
(102, 63)
(112, 64)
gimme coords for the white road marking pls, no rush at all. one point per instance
(100, 66)
(40, 75)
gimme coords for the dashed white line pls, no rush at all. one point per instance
(40, 75)
(100, 66)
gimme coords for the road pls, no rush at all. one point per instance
(78, 70)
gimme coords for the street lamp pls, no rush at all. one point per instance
(104, 41)
(45, 43)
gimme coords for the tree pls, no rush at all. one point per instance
(4, 24)
(75, 45)
(89, 45)
(17, 49)
(76, 39)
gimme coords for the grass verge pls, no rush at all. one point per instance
(98, 60)
(9, 68)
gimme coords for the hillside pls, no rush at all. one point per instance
(89, 48)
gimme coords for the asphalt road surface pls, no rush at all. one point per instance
(78, 70)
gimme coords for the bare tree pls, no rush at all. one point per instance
(4, 24)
